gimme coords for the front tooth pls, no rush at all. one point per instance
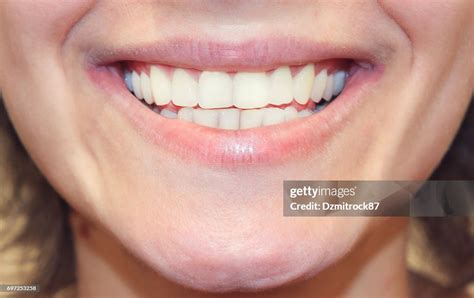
(146, 88)
(319, 85)
(250, 90)
(302, 84)
(185, 114)
(327, 95)
(281, 86)
(183, 89)
(251, 118)
(229, 119)
(339, 81)
(208, 118)
(290, 113)
(304, 113)
(137, 88)
(168, 114)
(215, 90)
(128, 80)
(160, 86)
(273, 116)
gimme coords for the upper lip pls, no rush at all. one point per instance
(249, 55)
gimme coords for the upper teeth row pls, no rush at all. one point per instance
(244, 90)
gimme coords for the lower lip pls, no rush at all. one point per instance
(268, 145)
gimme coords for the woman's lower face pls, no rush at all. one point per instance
(174, 124)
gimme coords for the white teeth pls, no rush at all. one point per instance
(290, 113)
(168, 114)
(304, 113)
(302, 84)
(229, 119)
(339, 80)
(128, 80)
(273, 116)
(208, 118)
(281, 86)
(233, 119)
(246, 90)
(185, 114)
(146, 88)
(183, 89)
(137, 88)
(251, 118)
(160, 86)
(215, 90)
(319, 85)
(250, 90)
(327, 95)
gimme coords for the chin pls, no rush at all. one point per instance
(224, 257)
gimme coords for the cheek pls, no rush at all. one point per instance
(42, 20)
(31, 34)
(430, 22)
(31, 29)
(438, 33)
(32, 39)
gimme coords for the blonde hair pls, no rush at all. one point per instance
(35, 242)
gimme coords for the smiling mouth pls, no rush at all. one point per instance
(237, 100)
(247, 108)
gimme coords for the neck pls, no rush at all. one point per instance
(375, 267)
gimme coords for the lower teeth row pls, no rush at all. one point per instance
(233, 119)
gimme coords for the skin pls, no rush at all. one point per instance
(184, 225)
